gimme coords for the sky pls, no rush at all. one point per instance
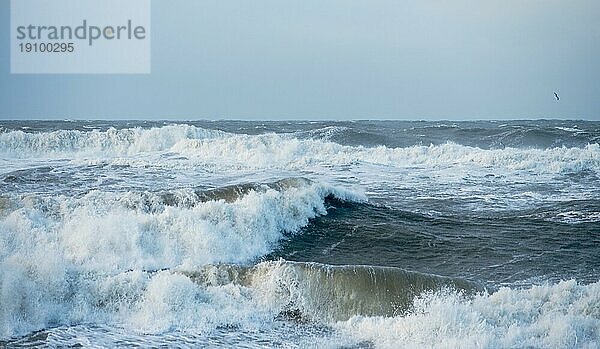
(338, 59)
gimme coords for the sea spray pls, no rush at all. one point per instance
(56, 252)
(564, 315)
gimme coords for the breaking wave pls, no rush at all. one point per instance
(318, 292)
(148, 258)
(110, 142)
(53, 251)
(372, 306)
(563, 315)
(275, 151)
(198, 146)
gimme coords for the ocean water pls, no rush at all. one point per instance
(366, 234)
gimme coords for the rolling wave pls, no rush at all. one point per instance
(275, 151)
(326, 293)
(562, 315)
(110, 142)
(140, 227)
(373, 306)
(105, 233)
(203, 147)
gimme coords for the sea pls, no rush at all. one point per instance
(300, 234)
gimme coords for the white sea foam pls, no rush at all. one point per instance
(220, 150)
(77, 260)
(110, 142)
(576, 217)
(277, 151)
(57, 255)
(568, 129)
(564, 315)
(43, 285)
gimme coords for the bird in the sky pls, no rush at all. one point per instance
(556, 96)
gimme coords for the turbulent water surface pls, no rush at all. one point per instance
(300, 234)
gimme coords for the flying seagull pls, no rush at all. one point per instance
(556, 96)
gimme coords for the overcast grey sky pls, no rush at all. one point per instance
(339, 59)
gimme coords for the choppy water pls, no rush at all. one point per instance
(300, 234)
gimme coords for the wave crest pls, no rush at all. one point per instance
(219, 150)
(57, 254)
(563, 315)
(325, 293)
(110, 142)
